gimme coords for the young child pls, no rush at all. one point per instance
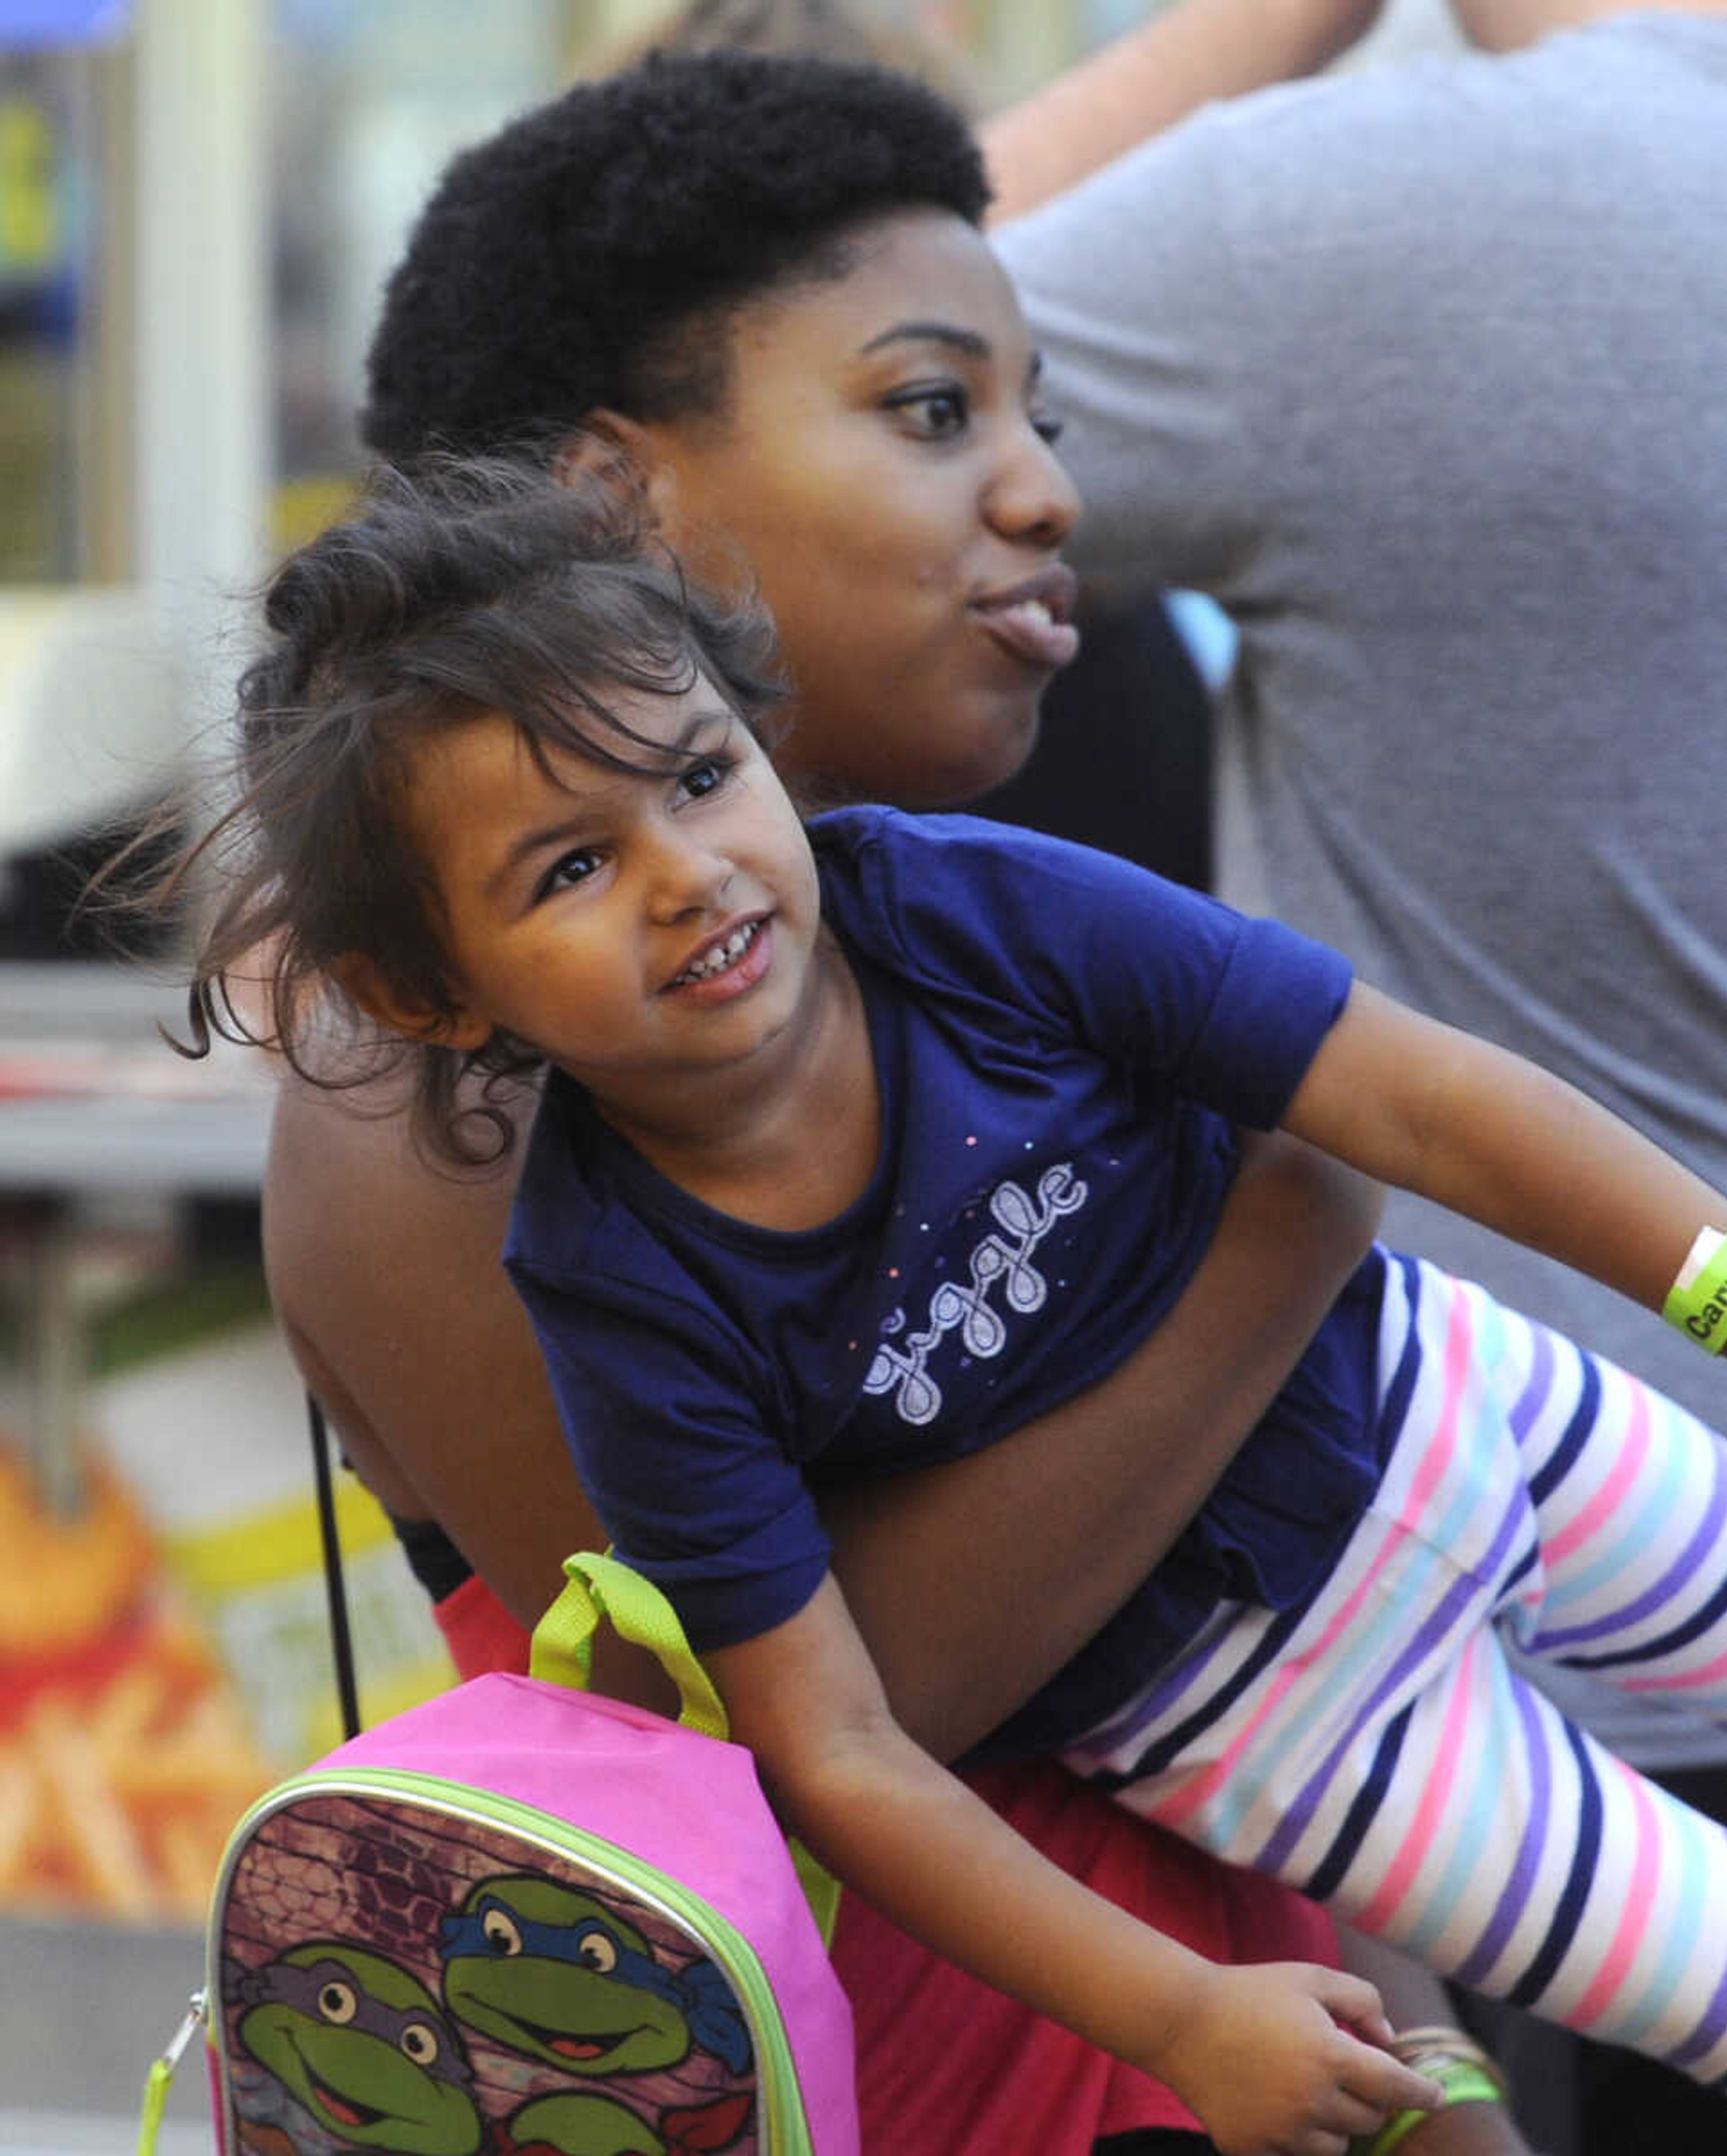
(863, 1145)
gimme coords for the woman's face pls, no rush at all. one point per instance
(884, 466)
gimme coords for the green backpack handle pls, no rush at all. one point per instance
(596, 1587)
(562, 1653)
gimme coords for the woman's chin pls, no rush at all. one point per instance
(922, 760)
(989, 759)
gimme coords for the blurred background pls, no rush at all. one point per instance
(198, 202)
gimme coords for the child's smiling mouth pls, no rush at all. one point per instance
(738, 958)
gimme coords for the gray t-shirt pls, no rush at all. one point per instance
(1423, 373)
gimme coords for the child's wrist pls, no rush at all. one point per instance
(1697, 1301)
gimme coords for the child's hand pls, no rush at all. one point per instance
(1259, 2054)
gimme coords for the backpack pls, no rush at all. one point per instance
(519, 1920)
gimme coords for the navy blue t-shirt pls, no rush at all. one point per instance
(1063, 1046)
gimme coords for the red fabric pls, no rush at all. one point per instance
(480, 1633)
(945, 2063)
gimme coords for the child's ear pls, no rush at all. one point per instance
(380, 999)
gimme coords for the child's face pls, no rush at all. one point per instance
(882, 466)
(641, 931)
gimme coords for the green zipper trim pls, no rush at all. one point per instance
(780, 2099)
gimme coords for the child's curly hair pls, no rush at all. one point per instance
(472, 586)
(588, 253)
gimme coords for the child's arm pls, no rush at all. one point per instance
(1254, 2050)
(1494, 1137)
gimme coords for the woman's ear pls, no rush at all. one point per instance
(619, 455)
(380, 999)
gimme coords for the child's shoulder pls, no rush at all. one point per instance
(893, 883)
(572, 1217)
(958, 906)
(916, 873)
(875, 829)
(894, 856)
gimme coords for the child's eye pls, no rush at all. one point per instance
(704, 777)
(568, 871)
(1048, 426)
(934, 412)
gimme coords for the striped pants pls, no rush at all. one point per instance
(1376, 1748)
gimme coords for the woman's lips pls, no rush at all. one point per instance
(1032, 617)
(1031, 632)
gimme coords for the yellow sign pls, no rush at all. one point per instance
(31, 242)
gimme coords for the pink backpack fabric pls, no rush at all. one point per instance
(525, 1918)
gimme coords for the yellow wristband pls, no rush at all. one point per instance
(1464, 2080)
(1697, 1301)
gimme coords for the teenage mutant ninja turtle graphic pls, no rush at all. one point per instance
(572, 2021)
(557, 1975)
(362, 2047)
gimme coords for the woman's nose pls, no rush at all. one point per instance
(1031, 499)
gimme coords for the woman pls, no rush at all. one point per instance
(823, 417)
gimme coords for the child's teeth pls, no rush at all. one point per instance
(722, 955)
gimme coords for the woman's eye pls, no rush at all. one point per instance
(568, 869)
(935, 412)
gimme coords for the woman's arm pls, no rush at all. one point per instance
(1068, 1515)
(1467, 2129)
(385, 1279)
(1415, 1999)
(940, 1863)
(1497, 1139)
(1157, 74)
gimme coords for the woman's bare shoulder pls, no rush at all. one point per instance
(345, 1171)
(384, 1270)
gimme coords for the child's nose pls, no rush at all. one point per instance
(687, 878)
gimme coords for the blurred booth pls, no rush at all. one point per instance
(94, 694)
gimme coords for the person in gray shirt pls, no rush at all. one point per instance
(1420, 371)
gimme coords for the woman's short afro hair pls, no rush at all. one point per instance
(559, 265)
